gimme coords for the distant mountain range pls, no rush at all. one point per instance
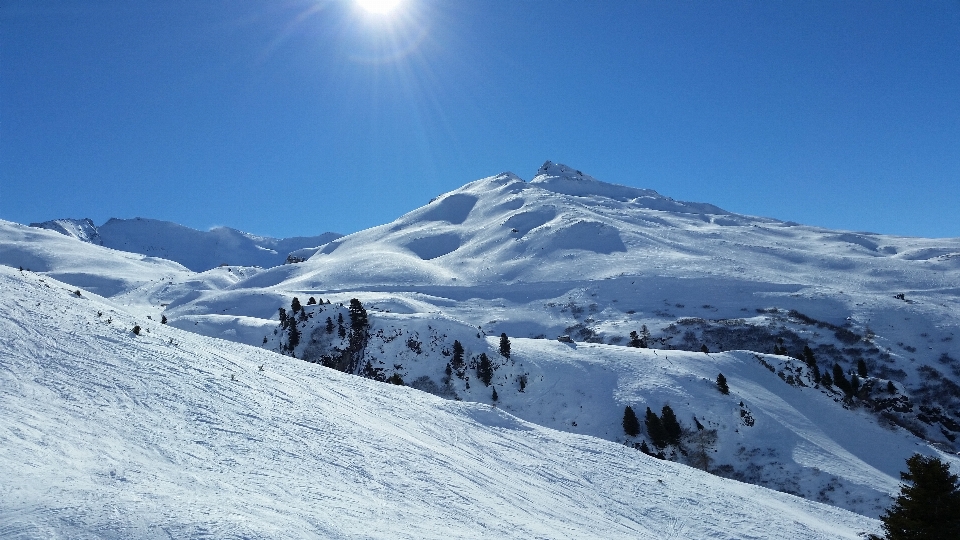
(197, 250)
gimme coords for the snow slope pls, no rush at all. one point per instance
(97, 269)
(568, 254)
(108, 434)
(197, 250)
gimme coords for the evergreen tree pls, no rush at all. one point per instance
(631, 424)
(634, 339)
(862, 368)
(891, 388)
(854, 385)
(826, 380)
(329, 327)
(295, 305)
(293, 336)
(457, 361)
(928, 508)
(311, 301)
(808, 356)
(704, 349)
(136, 329)
(655, 429)
(484, 369)
(671, 426)
(722, 384)
(163, 319)
(358, 316)
(504, 345)
(303, 315)
(840, 379)
(644, 448)
(283, 318)
(494, 397)
(396, 379)
(816, 373)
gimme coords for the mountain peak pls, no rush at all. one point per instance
(566, 180)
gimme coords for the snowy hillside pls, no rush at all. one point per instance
(775, 304)
(110, 434)
(197, 250)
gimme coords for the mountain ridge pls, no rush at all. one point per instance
(197, 250)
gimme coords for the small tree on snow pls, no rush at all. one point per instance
(722, 384)
(631, 425)
(457, 361)
(504, 345)
(655, 429)
(485, 369)
(671, 426)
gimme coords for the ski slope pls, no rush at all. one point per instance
(107, 434)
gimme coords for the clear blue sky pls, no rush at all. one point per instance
(294, 117)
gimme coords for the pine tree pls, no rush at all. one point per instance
(358, 316)
(929, 507)
(722, 384)
(634, 339)
(163, 319)
(862, 368)
(655, 429)
(295, 305)
(311, 301)
(283, 318)
(329, 327)
(840, 379)
(644, 448)
(808, 356)
(631, 425)
(457, 361)
(826, 380)
(704, 349)
(293, 336)
(136, 329)
(494, 397)
(504, 345)
(671, 426)
(891, 387)
(485, 369)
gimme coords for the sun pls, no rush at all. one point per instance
(379, 6)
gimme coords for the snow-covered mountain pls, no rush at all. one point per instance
(568, 255)
(105, 433)
(197, 250)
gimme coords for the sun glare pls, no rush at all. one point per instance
(379, 6)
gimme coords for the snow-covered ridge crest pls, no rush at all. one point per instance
(81, 229)
(566, 180)
(197, 250)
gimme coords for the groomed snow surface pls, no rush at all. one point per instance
(107, 434)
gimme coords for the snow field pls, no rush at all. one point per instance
(110, 435)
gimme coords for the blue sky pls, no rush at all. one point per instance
(294, 117)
